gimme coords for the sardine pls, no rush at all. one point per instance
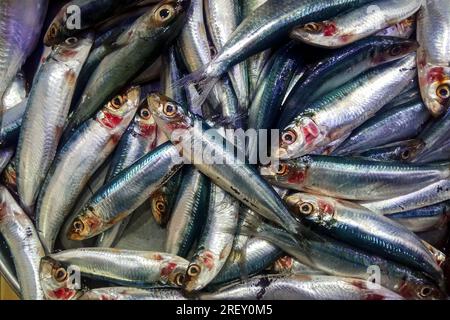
(358, 24)
(46, 113)
(123, 293)
(433, 56)
(83, 154)
(216, 242)
(23, 241)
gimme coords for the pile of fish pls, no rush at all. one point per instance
(103, 197)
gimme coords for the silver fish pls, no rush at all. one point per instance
(216, 241)
(302, 287)
(24, 243)
(46, 113)
(83, 154)
(433, 56)
(123, 293)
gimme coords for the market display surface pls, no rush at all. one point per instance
(225, 149)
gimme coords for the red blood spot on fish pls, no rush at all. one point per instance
(326, 207)
(297, 177)
(158, 257)
(345, 38)
(105, 297)
(329, 29)
(62, 294)
(110, 120)
(208, 260)
(168, 269)
(147, 130)
(310, 132)
(286, 262)
(435, 75)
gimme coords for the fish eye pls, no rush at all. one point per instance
(161, 206)
(60, 274)
(53, 30)
(289, 137)
(78, 226)
(165, 13)
(443, 91)
(193, 270)
(425, 292)
(71, 41)
(117, 102)
(170, 110)
(395, 51)
(306, 208)
(405, 155)
(282, 169)
(145, 114)
(313, 27)
(179, 279)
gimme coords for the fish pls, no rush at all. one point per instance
(216, 241)
(222, 18)
(357, 24)
(339, 112)
(402, 151)
(84, 153)
(433, 55)
(79, 15)
(123, 267)
(20, 25)
(139, 139)
(189, 212)
(354, 178)
(46, 114)
(288, 265)
(423, 219)
(123, 293)
(302, 287)
(23, 241)
(259, 30)
(11, 125)
(136, 48)
(402, 123)
(125, 193)
(240, 180)
(256, 63)
(339, 68)
(362, 228)
(270, 93)
(431, 194)
(339, 259)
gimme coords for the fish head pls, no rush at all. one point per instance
(421, 289)
(145, 124)
(392, 49)
(201, 271)
(120, 110)
(410, 150)
(173, 271)
(170, 116)
(56, 31)
(435, 87)
(285, 173)
(325, 33)
(159, 207)
(311, 208)
(73, 49)
(56, 281)
(86, 225)
(298, 139)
